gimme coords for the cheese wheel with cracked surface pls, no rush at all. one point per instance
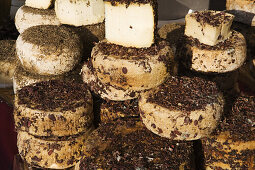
(80, 12)
(132, 68)
(182, 108)
(49, 49)
(41, 4)
(131, 23)
(105, 91)
(53, 108)
(43, 152)
(224, 57)
(232, 145)
(128, 144)
(8, 60)
(27, 17)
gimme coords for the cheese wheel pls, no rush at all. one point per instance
(55, 154)
(127, 144)
(27, 17)
(182, 108)
(49, 49)
(53, 108)
(132, 68)
(224, 57)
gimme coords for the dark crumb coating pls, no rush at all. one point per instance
(186, 94)
(112, 110)
(128, 2)
(99, 88)
(241, 121)
(130, 52)
(51, 38)
(127, 144)
(229, 43)
(211, 17)
(231, 158)
(43, 12)
(7, 50)
(54, 95)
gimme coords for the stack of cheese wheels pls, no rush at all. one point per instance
(53, 114)
(210, 47)
(130, 59)
(244, 10)
(85, 17)
(46, 52)
(232, 146)
(53, 119)
(128, 144)
(210, 44)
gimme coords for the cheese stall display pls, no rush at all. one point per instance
(98, 85)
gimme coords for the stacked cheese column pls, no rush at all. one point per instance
(130, 59)
(53, 113)
(128, 62)
(85, 17)
(212, 48)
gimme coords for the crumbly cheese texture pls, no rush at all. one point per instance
(41, 4)
(244, 10)
(80, 12)
(209, 27)
(27, 17)
(53, 154)
(130, 25)
(224, 57)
